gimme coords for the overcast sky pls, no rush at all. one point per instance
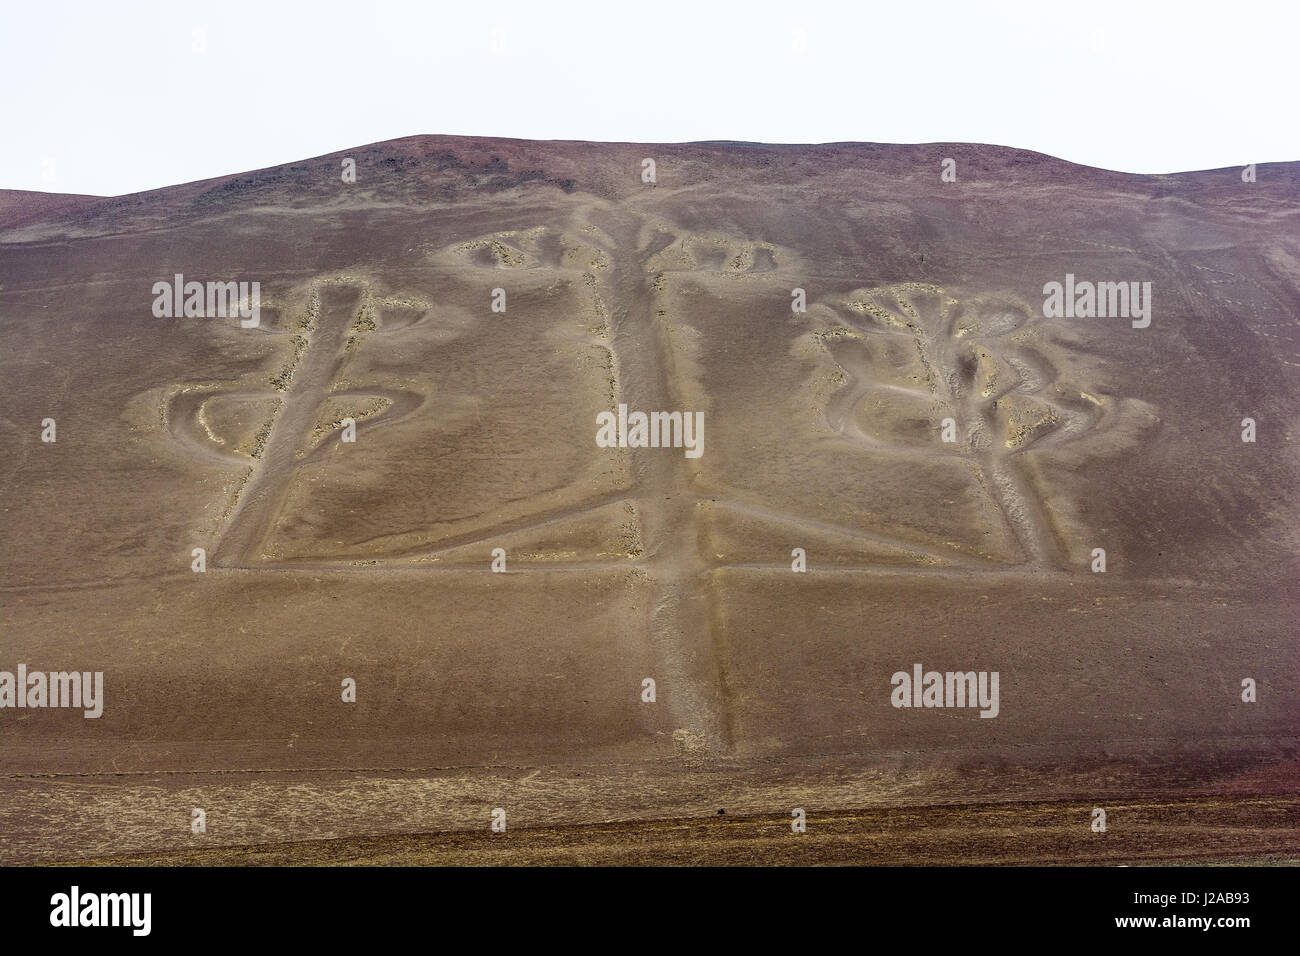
(106, 98)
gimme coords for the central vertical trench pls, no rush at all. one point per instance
(263, 497)
(680, 624)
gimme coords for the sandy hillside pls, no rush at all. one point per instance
(823, 430)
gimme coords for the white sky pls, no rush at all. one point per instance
(108, 98)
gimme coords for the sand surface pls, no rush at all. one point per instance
(475, 430)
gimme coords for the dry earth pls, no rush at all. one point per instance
(475, 430)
